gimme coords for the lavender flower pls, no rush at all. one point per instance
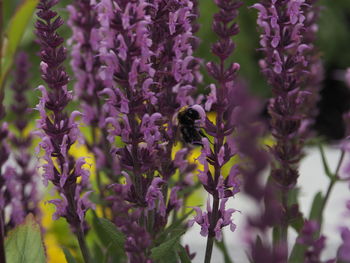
(58, 130)
(26, 173)
(314, 77)
(88, 86)
(347, 77)
(219, 187)
(149, 72)
(343, 251)
(10, 192)
(4, 155)
(314, 245)
(285, 68)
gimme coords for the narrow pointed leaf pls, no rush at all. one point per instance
(184, 258)
(166, 249)
(316, 207)
(69, 256)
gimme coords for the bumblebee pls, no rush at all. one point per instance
(191, 133)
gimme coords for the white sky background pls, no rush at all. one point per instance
(312, 179)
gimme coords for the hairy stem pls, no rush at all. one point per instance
(284, 227)
(83, 246)
(211, 235)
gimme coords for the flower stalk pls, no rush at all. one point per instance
(58, 130)
(223, 149)
(285, 65)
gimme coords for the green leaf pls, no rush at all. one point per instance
(276, 234)
(298, 253)
(297, 223)
(316, 207)
(13, 36)
(111, 238)
(293, 195)
(184, 258)
(325, 163)
(24, 243)
(68, 255)
(222, 247)
(166, 249)
(108, 232)
(97, 250)
(173, 226)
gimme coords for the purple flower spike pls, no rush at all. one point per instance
(26, 171)
(59, 131)
(224, 219)
(219, 152)
(10, 187)
(89, 86)
(344, 249)
(285, 66)
(314, 245)
(149, 72)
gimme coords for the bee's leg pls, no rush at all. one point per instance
(199, 143)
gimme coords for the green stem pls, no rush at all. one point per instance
(334, 179)
(223, 248)
(211, 237)
(98, 173)
(341, 159)
(83, 247)
(324, 161)
(284, 227)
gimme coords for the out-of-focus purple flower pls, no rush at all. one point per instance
(5, 152)
(315, 74)
(285, 66)
(344, 249)
(26, 172)
(347, 77)
(58, 130)
(10, 188)
(88, 87)
(314, 245)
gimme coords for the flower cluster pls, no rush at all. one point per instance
(11, 208)
(285, 68)
(26, 173)
(59, 131)
(220, 186)
(315, 245)
(4, 155)
(88, 86)
(315, 74)
(149, 73)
